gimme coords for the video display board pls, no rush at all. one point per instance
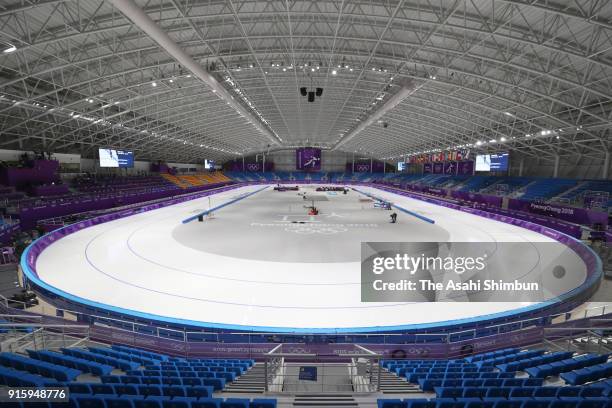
(492, 162)
(116, 158)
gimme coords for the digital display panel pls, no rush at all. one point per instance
(492, 162)
(116, 158)
(308, 158)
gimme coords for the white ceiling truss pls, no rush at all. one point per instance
(534, 76)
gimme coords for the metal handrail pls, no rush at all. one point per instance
(447, 335)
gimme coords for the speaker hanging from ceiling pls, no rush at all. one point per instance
(303, 91)
(311, 96)
(319, 91)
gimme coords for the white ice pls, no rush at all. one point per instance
(241, 268)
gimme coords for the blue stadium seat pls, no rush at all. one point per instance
(207, 403)
(199, 392)
(118, 403)
(125, 389)
(262, 403)
(420, 403)
(570, 391)
(391, 403)
(147, 390)
(90, 402)
(235, 403)
(540, 403)
(147, 403)
(173, 391)
(178, 402)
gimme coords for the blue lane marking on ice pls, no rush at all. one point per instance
(419, 216)
(203, 213)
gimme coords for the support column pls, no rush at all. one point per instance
(556, 168)
(263, 162)
(371, 165)
(606, 166)
(353, 162)
(243, 169)
(521, 167)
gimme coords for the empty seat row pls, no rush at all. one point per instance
(216, 383)
(42, 368)
(211, 366)
(122, 355)
(146, 390)
(185, 374)
(229, 377)
(140, 352)
(413, 378)
(84, 365)
(219, 362)
(558, 367)
(235, 370)
(496, 403)
(387, 363)
(523, 355)
(535, 361)
(136, 401)
(520, 392)
(424, 363)
(491, 354)
(428, 385)
(588, 374)
(249, 362)
(15, 378)
(407, 370)
(98, 358)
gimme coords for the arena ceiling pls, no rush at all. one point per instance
(529, 75)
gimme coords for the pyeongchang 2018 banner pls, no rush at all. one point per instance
(308, 158)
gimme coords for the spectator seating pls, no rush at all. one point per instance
(123, 355)
(140, 401)
(15, 378)
(547, 188)
(491, 354)
(526, 402)
(71, 362)
(42, 368)
(535, 361)
(587, 374)
(99, 358)
(165, 382)
(139, 352)
(509, 358)
(563, 366)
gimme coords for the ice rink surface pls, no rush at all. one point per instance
(262, 262)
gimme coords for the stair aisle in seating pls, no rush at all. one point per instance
(253, 381)
(390, 383)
